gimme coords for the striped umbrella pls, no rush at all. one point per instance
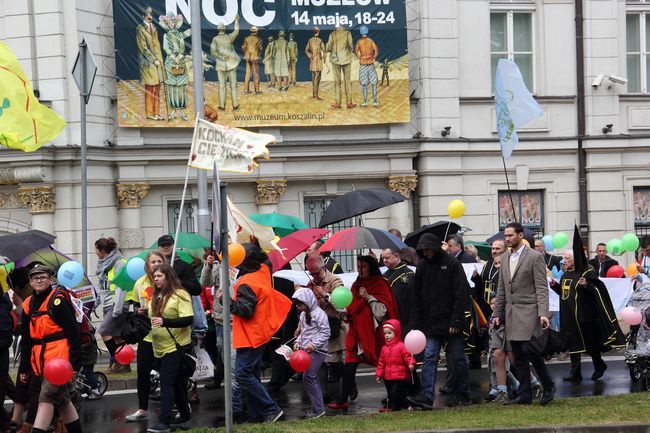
(360, 238)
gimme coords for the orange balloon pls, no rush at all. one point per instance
(236, 254)
(631, 270)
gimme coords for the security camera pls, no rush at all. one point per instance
(618, 80)
(598, 80)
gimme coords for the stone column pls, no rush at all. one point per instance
(131, 235)
(40, 200)
(400, 213)
(268, 194)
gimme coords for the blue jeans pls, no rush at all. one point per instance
(247, 371)
(430, 366)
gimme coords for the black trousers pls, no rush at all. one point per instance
(173, 388)
(349, 381)
(592, 346)
(523, 359)
(145, 361)
(397, 391)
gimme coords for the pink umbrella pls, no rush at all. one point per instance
(294, 244)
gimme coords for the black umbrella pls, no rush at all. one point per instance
(19, 245)
(528, 234)
(358, 202)
(441, 229)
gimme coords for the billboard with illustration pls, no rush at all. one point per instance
(265, 62)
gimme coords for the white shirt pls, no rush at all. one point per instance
(514, 259)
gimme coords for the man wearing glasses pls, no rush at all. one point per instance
(50, 330)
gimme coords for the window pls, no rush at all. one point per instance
(314, 208)
(529, 208)
(641, 210)
(188, 222)
(511, 37)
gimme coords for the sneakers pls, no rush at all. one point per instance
(491, 396)
(537, 390)
(501, 398)
(179, 420)
(119, 369)
(94, 394)
(459, 400)
(274, 417)
(138, 415)
(159, 428)
(315, 415)
(421, 401)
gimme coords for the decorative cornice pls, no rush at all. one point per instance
(130, 195)
(269, 191)
(38, 199)
(16, 175)
(9, 200)
(403, 184)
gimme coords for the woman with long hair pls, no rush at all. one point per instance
(144, 289)
(171, 316)
(372, 304)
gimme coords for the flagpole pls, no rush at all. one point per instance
(225, 288)
(512, 203)
(180, 212)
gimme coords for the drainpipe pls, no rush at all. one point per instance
(582, 156)
(32, 46)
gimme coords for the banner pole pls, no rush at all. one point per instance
(180, 212)
(225, 287)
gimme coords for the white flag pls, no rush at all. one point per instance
(232, 149)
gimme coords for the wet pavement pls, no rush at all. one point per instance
(107, 415)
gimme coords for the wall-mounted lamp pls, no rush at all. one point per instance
(607, 128)
(446, 131)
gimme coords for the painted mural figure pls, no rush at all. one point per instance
(280, 53)
(152, 73)
(175, 68)
(315, 52)
(252, 48)
(384, 73)
(339, 45)
(293, 59)
(366, 51)
(226, 58)
(268, 62)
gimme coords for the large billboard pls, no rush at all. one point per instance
(265, 62)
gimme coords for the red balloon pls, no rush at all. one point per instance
(615, 271)
(58, 371)
(300, 361)
(125, 354)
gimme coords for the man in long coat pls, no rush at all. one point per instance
(315, 52)
(152, 72)
(252, 48)
(223, 50)
(340, 47)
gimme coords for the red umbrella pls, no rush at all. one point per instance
(294, 244)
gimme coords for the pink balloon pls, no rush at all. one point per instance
(415, 341)
(631, 316)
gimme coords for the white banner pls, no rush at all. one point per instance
(232, 149)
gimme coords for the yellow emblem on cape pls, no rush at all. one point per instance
(57, 301)
(566, 289)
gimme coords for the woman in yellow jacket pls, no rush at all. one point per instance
(171, 316)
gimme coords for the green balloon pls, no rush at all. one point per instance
(615, 247)
(560, 239)
(341, 297)
(630, 242)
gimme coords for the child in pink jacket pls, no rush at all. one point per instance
(395, 367)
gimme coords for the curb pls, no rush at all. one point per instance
(115, 384)
(611, 428)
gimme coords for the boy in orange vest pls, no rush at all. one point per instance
(50, 330)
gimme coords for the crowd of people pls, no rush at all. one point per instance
(505, 315)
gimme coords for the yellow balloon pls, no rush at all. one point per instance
(456, 208)
(526, 243)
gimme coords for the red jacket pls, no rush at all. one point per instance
(394, 360)
(207, 299)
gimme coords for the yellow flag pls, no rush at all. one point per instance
(25, 123)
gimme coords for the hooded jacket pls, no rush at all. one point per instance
(317, 332)
(394, 360)
(441, 296)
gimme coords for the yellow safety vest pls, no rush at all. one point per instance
(112, 287)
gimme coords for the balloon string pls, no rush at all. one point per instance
(446, 232)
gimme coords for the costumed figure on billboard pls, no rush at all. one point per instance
(252, 48)
(315, 52)
(339, 45)
(280, 53)
(268, 62)
(152, 73)
(293, 59)
(366, 51)
(226, 59)
(175, 68)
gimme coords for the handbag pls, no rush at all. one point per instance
(135, 328)
(538, 342)
(188, 360)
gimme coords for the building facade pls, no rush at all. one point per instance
(448, 150)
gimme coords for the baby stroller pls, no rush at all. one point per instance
(637, 347)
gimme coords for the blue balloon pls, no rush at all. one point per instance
(548, 242)
(70, 274)
(135, 268)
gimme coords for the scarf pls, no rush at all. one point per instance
(104, 265)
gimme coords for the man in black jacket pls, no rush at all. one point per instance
(457, 249)
(550, 260)
(602, 262)
(401, 279)
(440, 308)
(183, 270)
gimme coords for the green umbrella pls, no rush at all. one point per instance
(282, 224)
(179, 253)
(484, 249)
(188, 241)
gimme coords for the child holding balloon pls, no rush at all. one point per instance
(395, 367)
(312, 335)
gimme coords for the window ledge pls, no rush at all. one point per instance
(546, 99)
(634, 97)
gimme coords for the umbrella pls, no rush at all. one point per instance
(188, 241)
(358, 202)
(484, 249)
(283, 225)
(294, 244)
(439, 229)
(179, 253)
(359, 238)
(19, 245)
(528, 233)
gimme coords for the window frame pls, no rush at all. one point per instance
(538, 229)
(641, 11)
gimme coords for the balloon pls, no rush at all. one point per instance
(615, 247)
(125, 355)
(135, 268)
(58, 371)
(631, 316)
(236, 254)
(415, 341)
(630, 242)
(631, 270)
(548, 242)
(456, 208)
(560, 239)
(615, 271)
(70, 274)
(300, 361)
(341, 297)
